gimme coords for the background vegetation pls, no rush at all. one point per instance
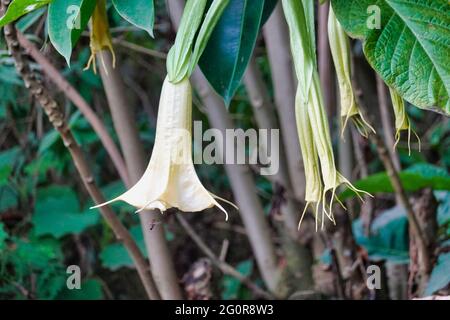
(45, 223)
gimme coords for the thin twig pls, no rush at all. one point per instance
(223, 266)
(56, 118)
(74, 96)
(140, 49)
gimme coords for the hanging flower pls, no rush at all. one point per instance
(401, 119)
(340, 51)
(170, 180)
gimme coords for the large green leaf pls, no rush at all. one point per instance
(18, 8)
(231, 45)
(57, 213)
(140, 13)
(414, 178)
(66, 20)
(411, 48)
(388, 237)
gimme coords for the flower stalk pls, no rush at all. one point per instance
(100, 37)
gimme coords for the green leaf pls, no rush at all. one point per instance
(57, 213)
(212, 16)
(414, 178)
(388, 237)
(440, 276)
(66, 20)
(443, 211)
(140, 13)
(231, 285)
(7, 160)
(269, 6)
(18, 8)
(8, 198)
(409, 50)
(231, 45)
(28, 20)
(3, 236)
(91, 289)
(115, 256)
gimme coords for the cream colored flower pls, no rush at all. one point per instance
(170, 180)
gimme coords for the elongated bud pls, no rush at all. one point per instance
(401, 119)
(332, 179)
(340, 51)
(312, 123)
(100, 36)
(314, 186)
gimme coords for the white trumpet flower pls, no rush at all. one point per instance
(170, 180)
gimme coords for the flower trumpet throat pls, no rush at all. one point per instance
(340, 51)
(170, 180)
(100, 37)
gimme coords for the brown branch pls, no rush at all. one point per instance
(56, 117)
(222, 265)
(74, 96)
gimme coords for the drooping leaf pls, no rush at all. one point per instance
(440, 276)
(57, 213)
(140, 13)
(414, 178)
(18, 8)
(66, 20)
(409, 49)
(115, 256)
(388, 238)
(231, 45)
